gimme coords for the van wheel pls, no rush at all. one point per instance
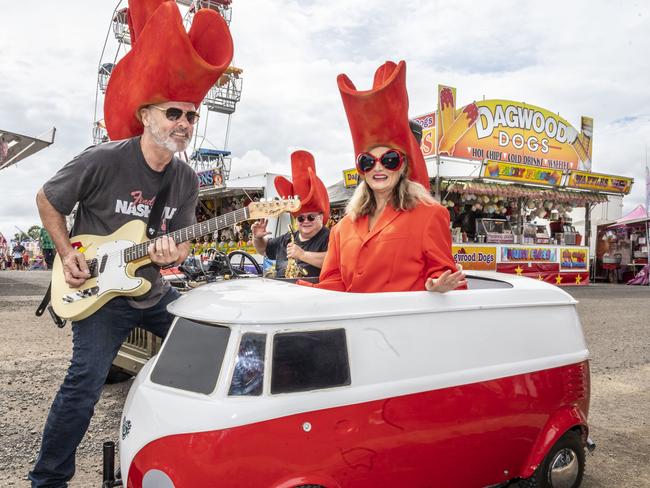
(116, 375)
(563, 466)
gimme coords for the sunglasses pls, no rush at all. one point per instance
(310, 217)
(173, 114)
(392, 160)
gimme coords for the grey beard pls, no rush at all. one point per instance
(166, 141)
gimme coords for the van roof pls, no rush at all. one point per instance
(266, 301)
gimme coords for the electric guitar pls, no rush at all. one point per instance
(114, 259)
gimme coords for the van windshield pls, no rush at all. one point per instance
(191, 356)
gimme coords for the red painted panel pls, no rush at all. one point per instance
(548, 272)
(466, 436)
(528, 268)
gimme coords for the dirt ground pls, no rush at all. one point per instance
(34, 355)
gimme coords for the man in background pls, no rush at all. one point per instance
(17, 252)
(47, 247)
(308, 245)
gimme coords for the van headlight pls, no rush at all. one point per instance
(154, 478)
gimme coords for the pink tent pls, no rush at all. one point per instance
(637, 215)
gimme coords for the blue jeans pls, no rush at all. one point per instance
(96, 341)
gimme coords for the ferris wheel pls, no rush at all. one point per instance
(221, 99)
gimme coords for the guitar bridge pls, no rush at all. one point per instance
(80, 294)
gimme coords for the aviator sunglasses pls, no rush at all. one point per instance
(310, 217)
(392, 160)
(173, 114)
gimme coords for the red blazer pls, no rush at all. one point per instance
(399, 254)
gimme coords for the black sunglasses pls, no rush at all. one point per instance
(173, 114)
(310, 217)
(392, 160)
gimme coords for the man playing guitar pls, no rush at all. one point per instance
(150, 112)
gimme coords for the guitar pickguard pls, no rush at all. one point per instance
(112, 275)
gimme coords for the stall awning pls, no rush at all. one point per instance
(516, 191)
(636, 216)
(204, 153)
(15, 147)
(339, 194)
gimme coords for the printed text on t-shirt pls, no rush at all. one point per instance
(140, 207)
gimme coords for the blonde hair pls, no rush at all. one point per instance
(406, 196)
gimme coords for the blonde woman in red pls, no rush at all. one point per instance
(394, 236)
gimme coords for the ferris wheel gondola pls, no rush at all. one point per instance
(223, 7)
(120, 25)
(104, 74)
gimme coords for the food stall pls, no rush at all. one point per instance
(513, 177)
(622, 247)
(517, 219)
(218, 196)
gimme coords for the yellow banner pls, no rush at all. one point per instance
(476, 257)
(522, 173)
(350, 178)
(596, 181)
(515, 132)
(428, 143)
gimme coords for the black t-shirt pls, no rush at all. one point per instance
(276, 248)
(114, 185)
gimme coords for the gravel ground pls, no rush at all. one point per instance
(34, 355)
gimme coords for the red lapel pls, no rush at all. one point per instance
(361, 224)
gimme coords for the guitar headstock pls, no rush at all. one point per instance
(272, 208)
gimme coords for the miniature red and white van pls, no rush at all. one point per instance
(263, 383)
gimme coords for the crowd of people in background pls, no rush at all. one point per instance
(17, 257)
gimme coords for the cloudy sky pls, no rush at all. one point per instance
(576, 58)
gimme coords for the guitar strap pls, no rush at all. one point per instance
(156, 213)
(155, 216)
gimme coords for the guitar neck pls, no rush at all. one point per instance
(140, 251)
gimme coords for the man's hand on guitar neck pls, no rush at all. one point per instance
(75, 268)
(164, 251)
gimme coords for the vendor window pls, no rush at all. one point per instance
(304, 361)
(248, 375)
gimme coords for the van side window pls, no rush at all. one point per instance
(248, 376)
(304, 361)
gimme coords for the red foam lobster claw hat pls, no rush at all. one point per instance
(166, 63)
(305, 184)
(379, 117)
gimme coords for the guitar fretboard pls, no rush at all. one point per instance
(139, 251)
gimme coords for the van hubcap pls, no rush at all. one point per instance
(564, 469)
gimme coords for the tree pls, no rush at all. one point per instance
(34, 232)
